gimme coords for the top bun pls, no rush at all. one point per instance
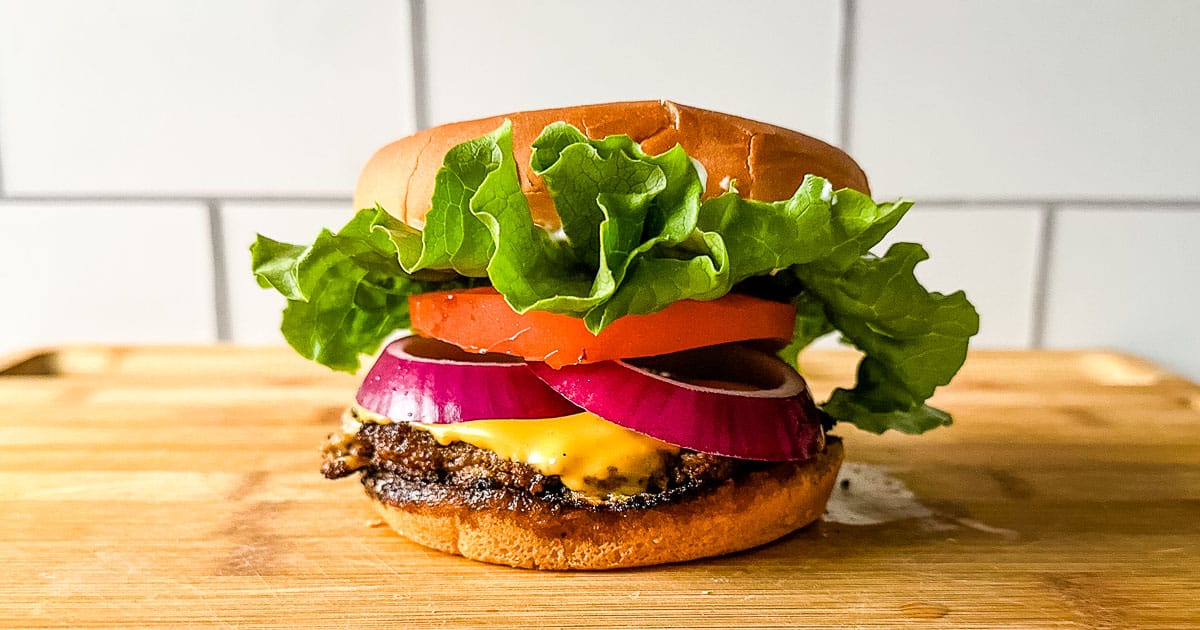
(768, 162)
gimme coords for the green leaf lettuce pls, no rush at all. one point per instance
(346, 293)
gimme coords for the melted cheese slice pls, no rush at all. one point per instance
(589, 455)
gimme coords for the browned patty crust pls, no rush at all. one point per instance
(403, 465)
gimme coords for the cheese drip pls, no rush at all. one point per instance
(590, 455)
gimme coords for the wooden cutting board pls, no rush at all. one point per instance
(145, 487)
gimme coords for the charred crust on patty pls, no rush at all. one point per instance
(405, 466)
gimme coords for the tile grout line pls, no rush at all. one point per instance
(1042, 271)
(998, 203)
(2, 188)
(847, 13)
(420, 63)
(94, 198)
(220, 286)
(1101, 205)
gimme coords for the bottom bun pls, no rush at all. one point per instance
(532, 533)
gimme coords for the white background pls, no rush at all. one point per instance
(1053, 147)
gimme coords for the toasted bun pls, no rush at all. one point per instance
(768, 162)
(538, 535)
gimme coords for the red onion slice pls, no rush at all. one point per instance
(776, 420)
(426, 380)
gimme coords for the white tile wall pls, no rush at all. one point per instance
(130, 116)
(217, 97)
(1028, 99)
(133, 272)
(773, 61)
(254, 312)
(1127, 279)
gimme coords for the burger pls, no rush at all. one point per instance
(585, 323)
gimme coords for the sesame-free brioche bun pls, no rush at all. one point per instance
(766, 161)
(533, 533)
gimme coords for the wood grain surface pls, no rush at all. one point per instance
(168, 487)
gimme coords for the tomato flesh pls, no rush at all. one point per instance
(479, 320)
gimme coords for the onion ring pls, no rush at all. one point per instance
(673, 398)
(425, 380)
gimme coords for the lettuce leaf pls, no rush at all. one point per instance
(617, 205)
(346, 293)
(819, 242)
(635, 237)
(913, 340)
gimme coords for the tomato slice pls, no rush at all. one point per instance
(479, 320)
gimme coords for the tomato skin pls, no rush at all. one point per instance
(479, 320)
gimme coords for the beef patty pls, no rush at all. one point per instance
(401, 463)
